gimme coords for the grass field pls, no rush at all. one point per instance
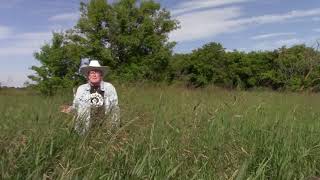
(166, 133)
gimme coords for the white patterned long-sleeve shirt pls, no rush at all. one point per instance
(81, 105)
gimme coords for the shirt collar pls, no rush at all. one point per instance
(101, 86)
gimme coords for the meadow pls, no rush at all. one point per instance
(167, 132)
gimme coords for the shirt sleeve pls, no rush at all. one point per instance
(76, 100)
(114, 108)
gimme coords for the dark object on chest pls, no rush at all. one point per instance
(97, 113)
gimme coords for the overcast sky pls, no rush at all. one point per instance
(245, 25)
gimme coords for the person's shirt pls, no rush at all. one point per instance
(97, 109)
(90, 101)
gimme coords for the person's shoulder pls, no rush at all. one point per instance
(108, 85)
(83, 86)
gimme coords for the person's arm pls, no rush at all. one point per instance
(114, 108)
(75, 103)
(81, 108)
(72, 109)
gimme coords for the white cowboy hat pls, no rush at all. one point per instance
(93, 65)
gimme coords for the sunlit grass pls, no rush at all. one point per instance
(167, 132)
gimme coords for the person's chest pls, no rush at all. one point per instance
(94, 97)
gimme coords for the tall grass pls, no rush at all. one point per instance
(166, 133)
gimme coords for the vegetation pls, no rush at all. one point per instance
(167, 133)
(296, 68)
(132, 39)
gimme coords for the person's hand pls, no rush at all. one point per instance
(66, 109)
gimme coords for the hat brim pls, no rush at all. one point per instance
(85, 70)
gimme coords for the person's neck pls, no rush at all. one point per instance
(94, 84)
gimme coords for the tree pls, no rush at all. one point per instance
(178, 66)
(59, 63)
(298, 67)
(250, 70)
(130, 37)
(295, 68)
(207, 65)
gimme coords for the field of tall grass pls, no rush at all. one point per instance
(166, 133)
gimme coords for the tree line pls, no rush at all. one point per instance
(295, 69)
(131, 38)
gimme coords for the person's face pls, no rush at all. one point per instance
(95, 76)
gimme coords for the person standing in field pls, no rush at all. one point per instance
(95, 100)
